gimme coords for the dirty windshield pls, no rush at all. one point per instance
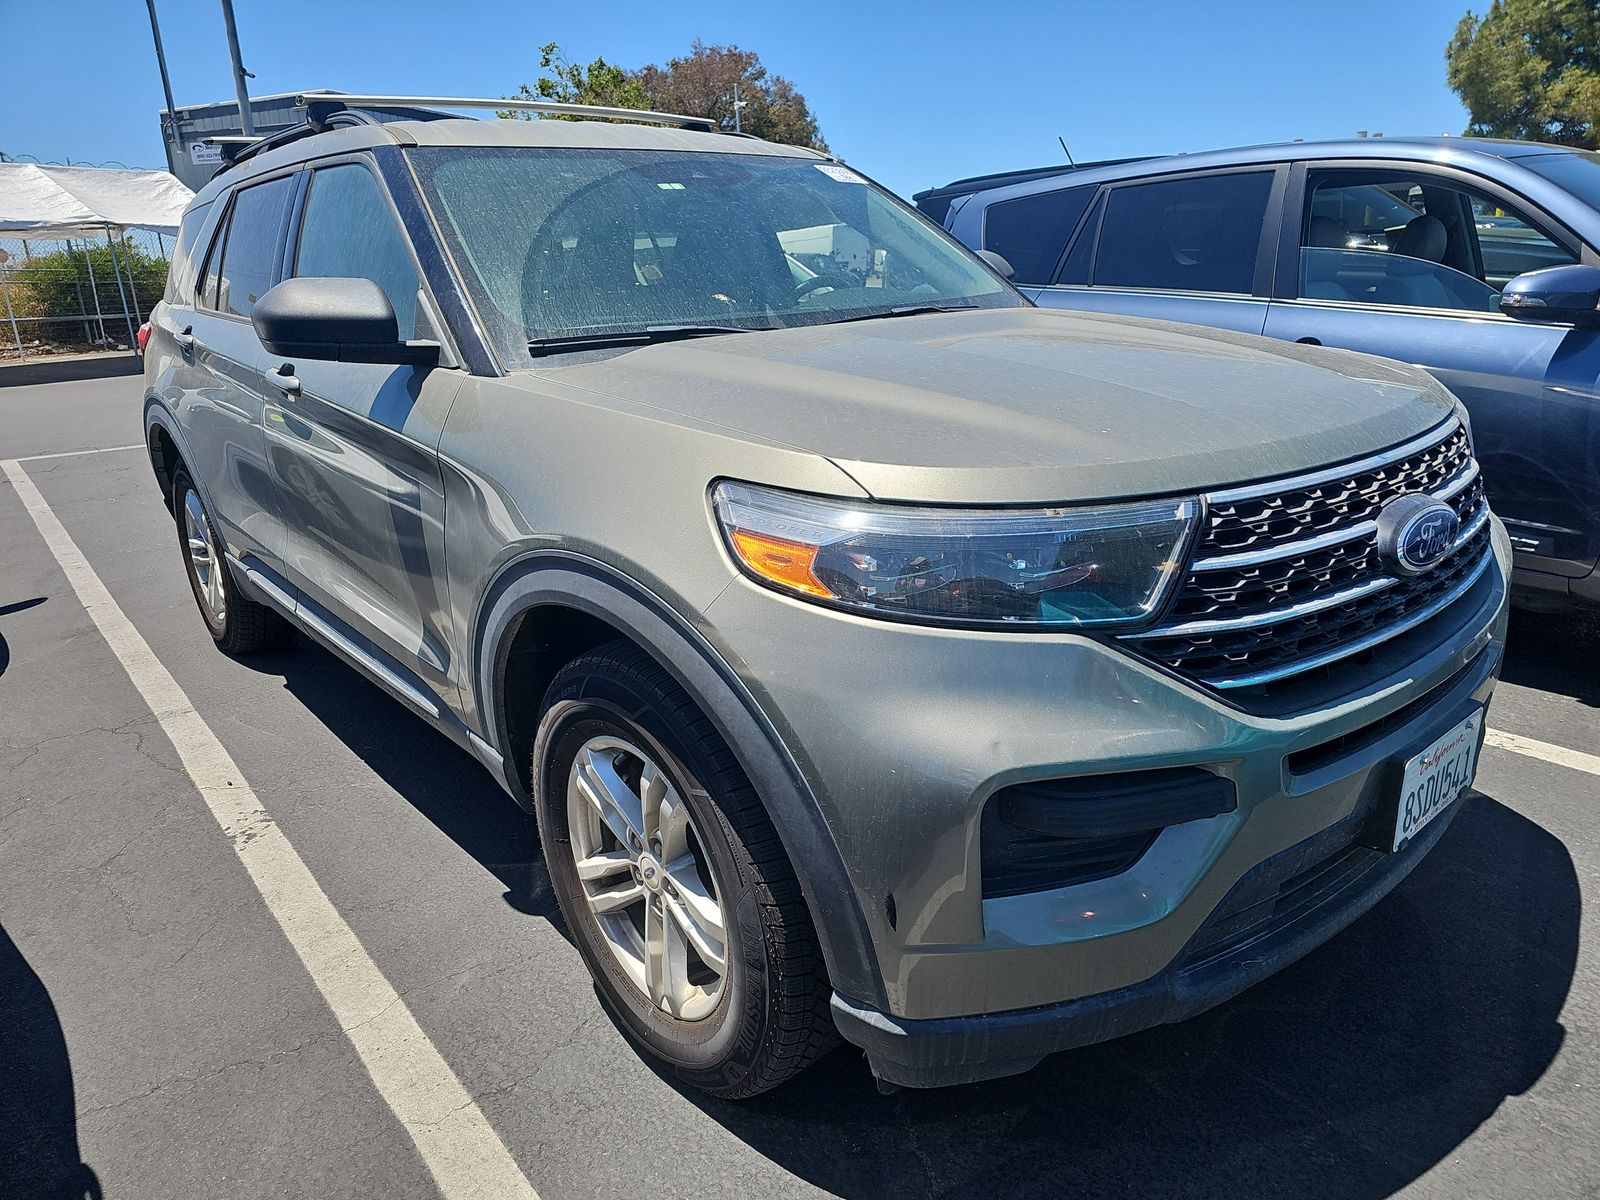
(561, 243)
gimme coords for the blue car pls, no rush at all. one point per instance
(1477, 259)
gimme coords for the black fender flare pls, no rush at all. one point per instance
(565, 579)
(158, 415)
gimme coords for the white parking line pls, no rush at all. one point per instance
(1532, 748)
(461, 1149)
(77, 453)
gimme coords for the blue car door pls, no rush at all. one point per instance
(1196, 247)
(1407, 261)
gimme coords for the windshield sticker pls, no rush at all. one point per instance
(841, 173)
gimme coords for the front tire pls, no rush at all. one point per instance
(237, 624)
(677, 891)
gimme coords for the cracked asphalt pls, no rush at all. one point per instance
(159, 1037)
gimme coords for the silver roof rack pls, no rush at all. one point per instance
(548, 107)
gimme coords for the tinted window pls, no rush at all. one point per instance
(1076, 268)
(1031, 233)
(207, 295)
(1191, 235)
(250, 254)
(349, 233)
(185, 255)
(1415, 240)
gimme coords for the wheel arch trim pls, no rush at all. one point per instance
(158, 416)
(565, 579)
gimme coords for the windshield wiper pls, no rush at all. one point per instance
(905, 310)
(628, 337)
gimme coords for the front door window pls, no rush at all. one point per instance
(1415, 241)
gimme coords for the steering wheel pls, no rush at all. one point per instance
(836, 279)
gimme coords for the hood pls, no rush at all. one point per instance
(1025, 405)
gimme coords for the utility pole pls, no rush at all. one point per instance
(738, 126)
(171, 130)
(247, 124)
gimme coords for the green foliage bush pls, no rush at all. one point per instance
(57, 284)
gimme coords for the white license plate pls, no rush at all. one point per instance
(1435, 778)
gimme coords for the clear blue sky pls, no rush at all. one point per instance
(913, 94)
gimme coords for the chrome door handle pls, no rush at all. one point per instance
(289, 385)
(185, 339)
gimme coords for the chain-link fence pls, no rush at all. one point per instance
(78, 296)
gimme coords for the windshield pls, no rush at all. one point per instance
(1575, 171)
(561, 243)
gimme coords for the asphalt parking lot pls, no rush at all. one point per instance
(161, 1037)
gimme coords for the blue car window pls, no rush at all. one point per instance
(1379, 277)
(1416, 241)
(1191, 234)
(1031, 232)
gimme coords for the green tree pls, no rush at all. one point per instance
(572, 83)
(1530, 69)
(699, 84)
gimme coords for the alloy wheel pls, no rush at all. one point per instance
(646, 877)
(204, 557)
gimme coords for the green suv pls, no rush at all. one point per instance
(880, 655)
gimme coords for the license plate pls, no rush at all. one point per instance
(1435, 778)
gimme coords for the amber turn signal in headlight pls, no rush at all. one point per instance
(1069, 566)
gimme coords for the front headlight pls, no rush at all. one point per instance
(1051, 566)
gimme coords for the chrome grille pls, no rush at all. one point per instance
(1286, 576)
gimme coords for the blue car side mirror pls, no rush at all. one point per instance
(1558, 295)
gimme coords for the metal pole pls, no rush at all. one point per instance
(738, 124)
(132, 250)
(116, 266)
(247, 123)
(77, 286)
(171, 129)
(94, 290)
(16, 335)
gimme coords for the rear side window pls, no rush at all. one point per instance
(1030, 233)
(1192, 235)
(185, 265)
(349, 233)
(250, 253)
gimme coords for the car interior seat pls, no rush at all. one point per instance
(1415, 273)
(1423, 237)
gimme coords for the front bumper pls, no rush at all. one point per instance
(903, 733)
(1280, 911)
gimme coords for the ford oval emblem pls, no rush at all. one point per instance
(1415, 532)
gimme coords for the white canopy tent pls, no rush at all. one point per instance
(44, 201)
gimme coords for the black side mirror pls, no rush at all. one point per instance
(1556, 295)
(998, 262)
(342, 320)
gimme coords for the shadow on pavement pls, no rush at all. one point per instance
(439, 779)
(1555, 652)
(39, 1155)
(1348, 1075)
(69, 369)
(5, 611)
